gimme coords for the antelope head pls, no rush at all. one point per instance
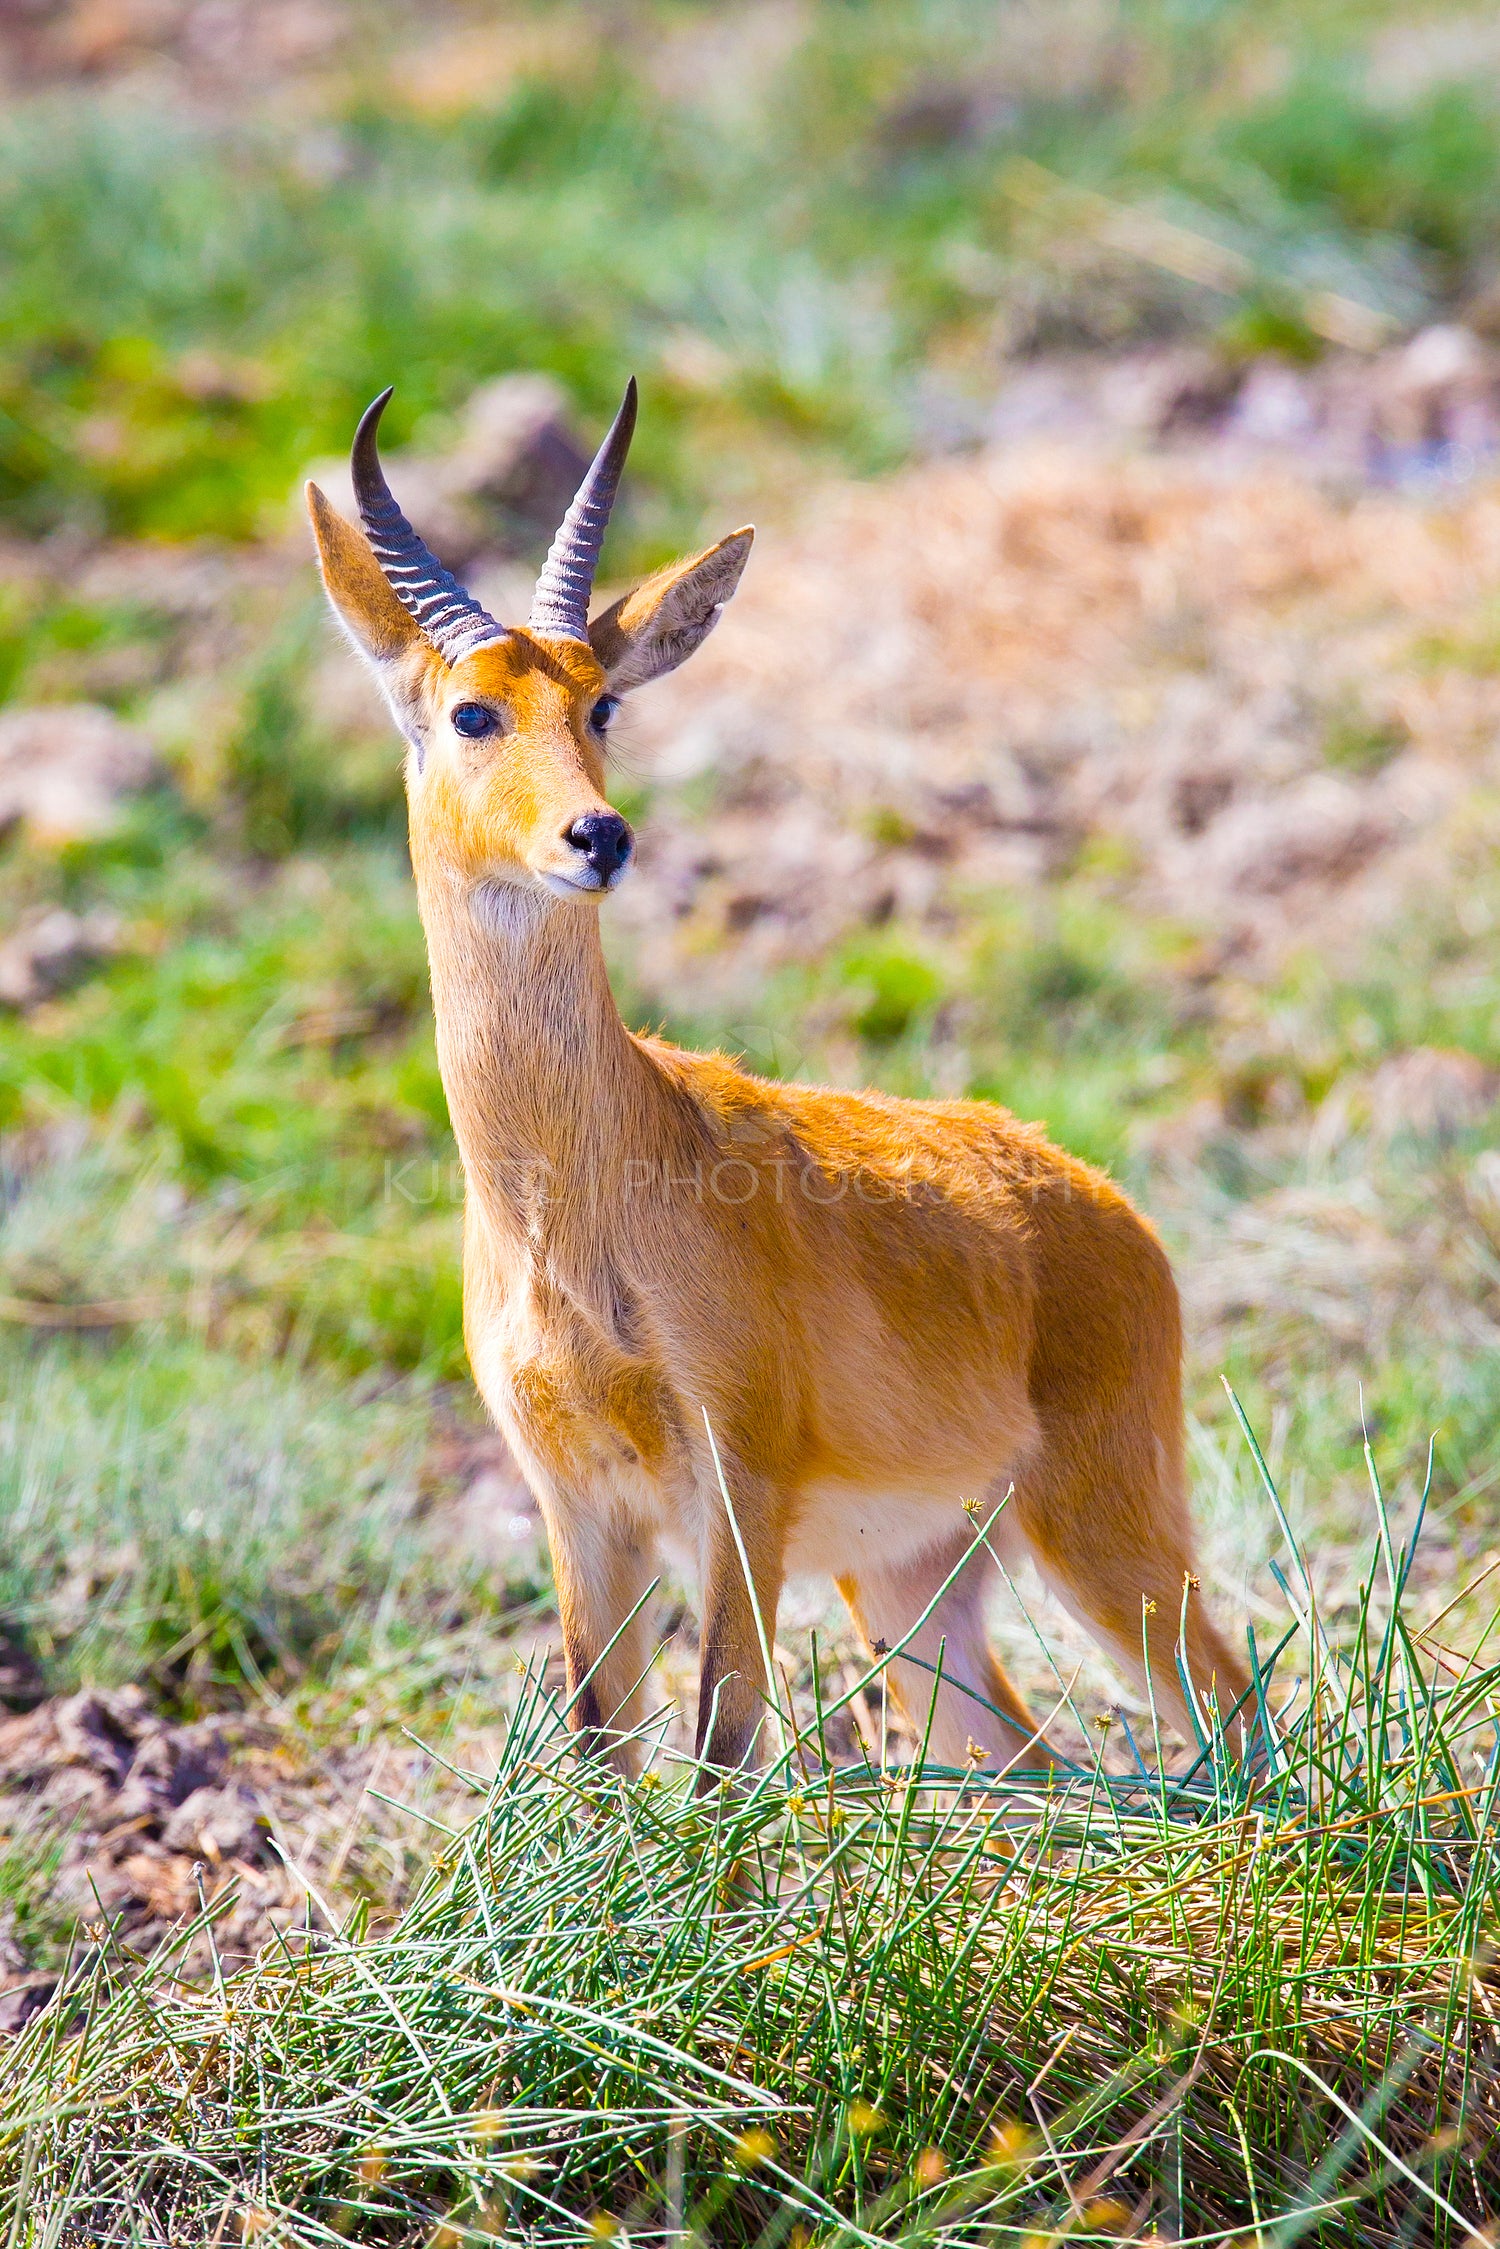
(507, 725)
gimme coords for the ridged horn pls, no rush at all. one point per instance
(451, 618)
(560, 605)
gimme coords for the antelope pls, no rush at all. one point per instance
(859, 1312)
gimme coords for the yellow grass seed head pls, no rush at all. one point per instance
(930, 2168)
(371, 2167)
(255, 2219)
(754, 2147)
(1011, 2144)
(864, 2121)
(1106, 2215)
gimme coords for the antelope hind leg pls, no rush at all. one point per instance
(601, 1572)
(975, 1703)
(1104, 1514)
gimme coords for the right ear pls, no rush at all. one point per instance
(390, 640)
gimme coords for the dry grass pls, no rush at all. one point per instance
(972, 676)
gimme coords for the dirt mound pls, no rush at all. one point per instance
(154, 1822)
(131, 1822)
(215, 46)
(66, 768)
(1254, 695)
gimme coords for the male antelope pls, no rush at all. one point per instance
(884, 1307)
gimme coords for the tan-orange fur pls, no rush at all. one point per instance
(884, 1307)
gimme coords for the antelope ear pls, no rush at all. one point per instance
(391, 641)
(657, 627)
(358, 588)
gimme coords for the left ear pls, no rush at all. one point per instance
(657, 627)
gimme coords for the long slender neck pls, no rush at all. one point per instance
(546, 1089)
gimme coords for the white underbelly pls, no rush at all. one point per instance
(841, 1531)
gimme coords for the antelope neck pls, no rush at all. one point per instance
(545, 1086)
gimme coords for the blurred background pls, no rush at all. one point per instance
(1107, 726)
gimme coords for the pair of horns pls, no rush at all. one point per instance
(447, 613)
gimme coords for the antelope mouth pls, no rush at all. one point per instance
(587, 883)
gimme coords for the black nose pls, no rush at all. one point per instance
(605, 841)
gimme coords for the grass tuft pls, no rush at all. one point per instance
(868, 2004)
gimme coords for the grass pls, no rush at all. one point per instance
(867, 2003)
(181, 1516)
(804, 245)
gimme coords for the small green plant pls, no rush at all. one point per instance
(1360, 741)
(892, 988)
(1427, 169)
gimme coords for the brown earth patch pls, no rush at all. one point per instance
(148, 1822)
(1263, 696)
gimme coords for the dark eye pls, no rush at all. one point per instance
(471, 720)
(603, 711)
